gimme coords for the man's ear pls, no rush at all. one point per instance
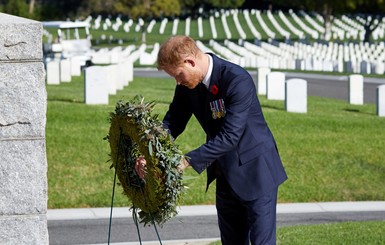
(190, 61)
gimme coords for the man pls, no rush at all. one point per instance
(240, 151)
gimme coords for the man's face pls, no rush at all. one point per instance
(186, 75)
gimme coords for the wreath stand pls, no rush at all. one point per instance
(135, 181)
(135, 132)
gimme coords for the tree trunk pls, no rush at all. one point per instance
(31, 6)
(144, 29)
(369, 28)
(327, 15)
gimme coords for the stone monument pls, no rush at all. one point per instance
(23, 164)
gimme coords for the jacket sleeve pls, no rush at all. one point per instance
(179, 112)
(238, 101)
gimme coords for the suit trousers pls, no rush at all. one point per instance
(244, 222)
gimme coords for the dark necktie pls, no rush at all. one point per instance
(202, 89)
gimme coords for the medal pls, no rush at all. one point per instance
(218, 108)
(222, 108)
(212, 106)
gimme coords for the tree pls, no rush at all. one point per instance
(62, 9)
(252, 4)
(106, 7)
(191, 6)
(373, 10)
(16, 7)
(146, 9)
(226, 4)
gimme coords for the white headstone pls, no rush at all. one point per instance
(115, 54)
(327, 65)
(309, 63)
(261, 80)
(130, 70)
(126, 70)
(76, 65)
(149, 58)
(356, 89)
(101, 56)
(96, 85)
(116, 76)
(53, 72)
(381, 100)
(112, 71)
(146, 59)
(262, 62)
(379, 67)
(296, 95)
(65, 70)
(340, 65)
(317, 64)
(275, 86)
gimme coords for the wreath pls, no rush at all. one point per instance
(135, 132)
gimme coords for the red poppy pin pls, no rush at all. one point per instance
(214, 89)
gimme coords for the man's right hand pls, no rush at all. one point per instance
(183, 164)
(140, 167)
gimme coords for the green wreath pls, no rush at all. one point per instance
(134, 132)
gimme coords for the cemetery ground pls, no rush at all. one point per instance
(332, 153)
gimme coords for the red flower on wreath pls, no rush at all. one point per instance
(214, 89)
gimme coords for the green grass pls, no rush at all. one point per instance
(332, 153)
(346, 233)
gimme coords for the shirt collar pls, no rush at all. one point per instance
(206, 80)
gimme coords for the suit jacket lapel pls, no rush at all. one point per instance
(200, 98)
(214, 94)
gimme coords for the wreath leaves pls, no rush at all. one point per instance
(140, 133)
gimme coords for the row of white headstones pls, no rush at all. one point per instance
(330, 57)
(363, 58)
(294, 91)
(341, 28)
(104, 80)
(100, 81)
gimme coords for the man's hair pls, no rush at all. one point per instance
(174, 50)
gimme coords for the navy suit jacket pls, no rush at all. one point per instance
(240, 144)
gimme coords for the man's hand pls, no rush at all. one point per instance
(141, 170)
(140, 167)
(183, 164)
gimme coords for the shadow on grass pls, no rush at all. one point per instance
(358, 111)
(66, 100)
(273, 107)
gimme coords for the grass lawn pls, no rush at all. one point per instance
(332, 153)
(357, 233)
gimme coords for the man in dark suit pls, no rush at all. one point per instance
(240, 151)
